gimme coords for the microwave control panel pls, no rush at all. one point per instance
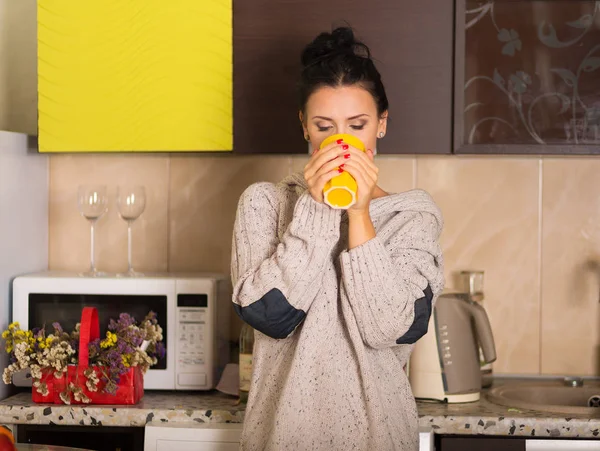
(194, 345)
(192, 323)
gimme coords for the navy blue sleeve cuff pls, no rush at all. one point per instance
(272, 315)
(420, 323)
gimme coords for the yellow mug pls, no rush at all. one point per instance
(340, 191)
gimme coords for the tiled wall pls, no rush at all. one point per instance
(532, 224)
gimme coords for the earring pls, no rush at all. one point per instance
(381, 134)
(307, 138)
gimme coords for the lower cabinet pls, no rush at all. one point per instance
(156, 436)
(97, 438)
(484, 443)
(192, 437)
(455, 443)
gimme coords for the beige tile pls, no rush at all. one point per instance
(69, 233)
(204, 193)
(490, 208)
(571, 266)
(297, 163)
(395, 172)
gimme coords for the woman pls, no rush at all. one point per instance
(336, 298)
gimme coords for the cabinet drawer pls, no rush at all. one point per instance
(192, 437)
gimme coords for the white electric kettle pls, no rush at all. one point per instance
(445, 364)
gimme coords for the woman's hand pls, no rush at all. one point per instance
(360, 165)
(323, 166)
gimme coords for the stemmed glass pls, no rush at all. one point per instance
(131, 202)
(92, 203)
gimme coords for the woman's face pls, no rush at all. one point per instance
(345, 109)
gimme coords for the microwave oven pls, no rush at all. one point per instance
(192, 309)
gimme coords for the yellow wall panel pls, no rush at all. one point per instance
(135, 75)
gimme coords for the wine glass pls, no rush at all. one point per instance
(131, 202)
(92, 203)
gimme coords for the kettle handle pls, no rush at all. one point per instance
(484, 332)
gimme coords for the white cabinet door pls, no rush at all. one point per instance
(426, 438)
(18, 66)
(192, 437)
(168, 445)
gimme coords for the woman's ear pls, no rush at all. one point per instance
(382, 128)
(304, 129)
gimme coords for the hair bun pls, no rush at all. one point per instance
(340, 41)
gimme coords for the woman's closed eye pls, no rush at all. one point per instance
(353, 127)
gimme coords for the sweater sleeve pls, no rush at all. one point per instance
(392, 282)
(275, 281)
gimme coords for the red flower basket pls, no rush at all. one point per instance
(131, 384)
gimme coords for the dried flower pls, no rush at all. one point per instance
(92, 380)
(65, 396)
(41, 387)
(110, 340)
(126, 345)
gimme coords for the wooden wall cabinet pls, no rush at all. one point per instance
(527, 77)
(410, 40)
(18, 77)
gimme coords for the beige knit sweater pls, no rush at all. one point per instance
(334, 327)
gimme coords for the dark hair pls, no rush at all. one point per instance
(338, 59)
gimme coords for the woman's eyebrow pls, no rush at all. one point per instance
(350, 118)
(357, 116)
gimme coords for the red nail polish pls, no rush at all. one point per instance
(340, 170)
(342, 165)
(347, 156)
(345, 147)
(339, 141)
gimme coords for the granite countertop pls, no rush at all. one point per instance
(166, 407)
(482, 417)
(486, 418)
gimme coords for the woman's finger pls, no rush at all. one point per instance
(361, 155)
(319, 153)
(327, 167)
(371, 155)
(361, 158)
(331, 165)
(318, 183)
(355, 168)
(364, 180)
(323, 156)
(365, 186)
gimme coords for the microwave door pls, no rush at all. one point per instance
(47, 308)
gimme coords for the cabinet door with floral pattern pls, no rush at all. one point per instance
(527, 76)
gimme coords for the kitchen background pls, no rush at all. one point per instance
(531, 223)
